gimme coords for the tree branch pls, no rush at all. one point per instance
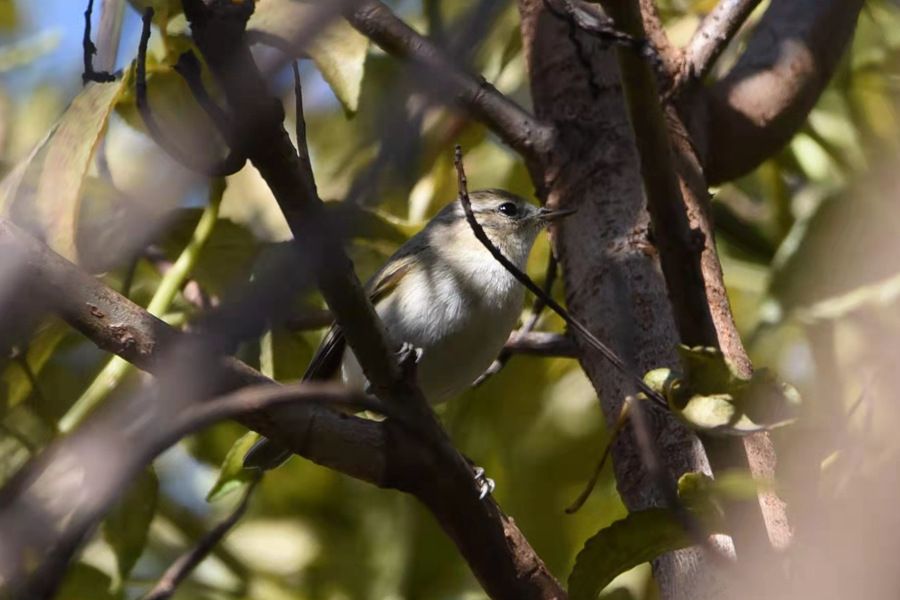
(759, 105)
(713, 35)
(676, 200)
(386, 453)
(612, 278)
(515, 126)
(436, 474)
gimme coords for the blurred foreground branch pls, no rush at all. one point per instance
(521, 130)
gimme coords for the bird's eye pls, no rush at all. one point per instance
(509, 209)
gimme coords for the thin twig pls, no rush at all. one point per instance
(604, 456)
(299, 117)
(536, 309)
(711, 38)
(191, 71)
(525, 280)
(187, 562)
(89, 74)
(230, 165)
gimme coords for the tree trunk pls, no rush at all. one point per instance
(610, 268)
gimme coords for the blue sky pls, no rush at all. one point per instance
(64, 20)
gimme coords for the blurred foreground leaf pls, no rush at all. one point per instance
(59, 166)
(339, 51)
(127, 524)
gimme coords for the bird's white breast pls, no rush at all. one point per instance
(459, 310)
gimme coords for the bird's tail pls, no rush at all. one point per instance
(265, 455)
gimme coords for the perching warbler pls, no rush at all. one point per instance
(443, 293)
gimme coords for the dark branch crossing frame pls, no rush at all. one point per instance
(702, 127)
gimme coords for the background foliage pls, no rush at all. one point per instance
(808, 242)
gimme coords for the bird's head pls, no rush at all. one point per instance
(511, 222)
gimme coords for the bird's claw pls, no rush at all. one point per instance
(409, 355)
(485, 484)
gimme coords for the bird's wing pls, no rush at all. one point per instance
(328, 357)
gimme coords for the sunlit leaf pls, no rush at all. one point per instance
(712, 398)
(128, 523)
(59, 169)
(233, 475)
(339, 51)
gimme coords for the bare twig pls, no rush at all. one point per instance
(713, 35)
(515, 126)
(190, 70)
(185, 564)
(230, 165)
(89, 49)
(531, 286)
(536, 310)
(595, 476)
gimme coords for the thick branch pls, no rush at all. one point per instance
(511, 122)
(381, 453)
(755, 109)
(499, 555)
(613, 283)
(119, 326)
(676, 199)
(679, 244)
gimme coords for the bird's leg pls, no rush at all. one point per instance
(408, 357)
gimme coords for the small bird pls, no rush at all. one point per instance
(443, 294)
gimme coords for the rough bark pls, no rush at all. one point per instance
(611, 271)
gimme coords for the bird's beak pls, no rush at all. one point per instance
(547, 215)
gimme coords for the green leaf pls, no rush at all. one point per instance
(14, 380)
(228, 255)
(127, 524)
(83, 582)
(57, 169)
(641, 537)
(233, 475)
(638, 538)
(714, 399)
(339, 51)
